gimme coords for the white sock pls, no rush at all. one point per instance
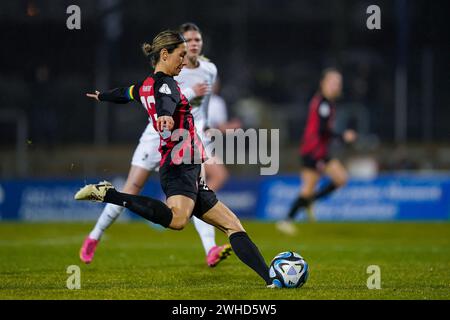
(206, 232)
(109, 214)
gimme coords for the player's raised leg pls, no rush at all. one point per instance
(175, 215)
(134, 184)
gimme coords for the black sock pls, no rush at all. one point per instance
(329, 188)
(148, 208)
(299, 203)
(249, 254)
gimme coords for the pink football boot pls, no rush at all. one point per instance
(217, 254)
(88, 249)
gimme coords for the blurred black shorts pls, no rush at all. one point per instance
(185, 180)
(308, 161)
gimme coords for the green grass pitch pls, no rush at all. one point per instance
(136, 261)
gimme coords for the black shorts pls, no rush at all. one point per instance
(185, 180)
(308, 161)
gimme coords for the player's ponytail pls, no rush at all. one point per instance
(147, 49)
(168, 40)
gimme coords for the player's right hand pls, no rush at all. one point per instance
(349, 136)
(93, 95)
(164, 122)
(201, 89)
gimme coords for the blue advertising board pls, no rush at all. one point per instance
(386, 198)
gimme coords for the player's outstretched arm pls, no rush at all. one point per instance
(117, 95)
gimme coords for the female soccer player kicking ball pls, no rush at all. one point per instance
(182, 153)
(314, 149)
(196, 79)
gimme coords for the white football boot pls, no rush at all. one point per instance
(94, 192)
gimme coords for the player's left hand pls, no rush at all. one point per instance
(201, 89)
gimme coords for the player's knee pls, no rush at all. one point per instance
(138, 186)
(234, 225)
(307, 193)
(341, 180)
(177, 225)
(179, 222)
(223, 174)
(132, 188)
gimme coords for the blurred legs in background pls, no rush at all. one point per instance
(338, 175)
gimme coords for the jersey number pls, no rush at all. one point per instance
(149, 104)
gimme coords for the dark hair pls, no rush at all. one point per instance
(167, 39)
(326, 71)
(189, 26)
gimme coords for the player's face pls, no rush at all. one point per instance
(194, 43)
(175, 61)
(332, 85)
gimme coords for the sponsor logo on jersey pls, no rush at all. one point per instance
(146, 88)
(165, 89)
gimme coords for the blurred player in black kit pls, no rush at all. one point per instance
(314, 149)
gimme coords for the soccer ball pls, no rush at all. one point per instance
(288, 270)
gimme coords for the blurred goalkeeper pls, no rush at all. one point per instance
(314, 152)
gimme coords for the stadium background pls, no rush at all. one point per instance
(269, 55)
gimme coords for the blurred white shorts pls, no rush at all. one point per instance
(147, 155)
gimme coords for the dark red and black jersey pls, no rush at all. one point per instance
(161, 96)
(319, 128)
